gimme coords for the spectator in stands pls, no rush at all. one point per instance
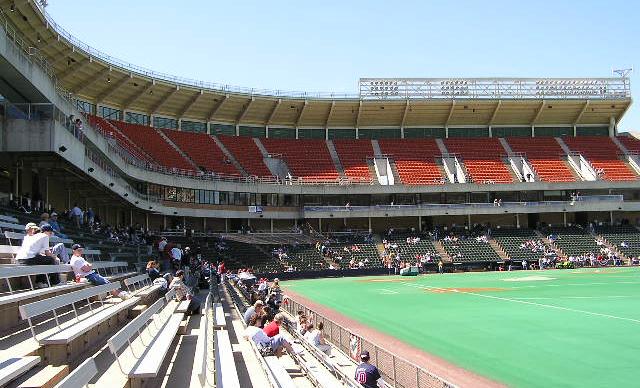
(265, 343)
(76, 215)
(440, 266)
(273, 327)
(35, 251)
(83, 269)
(57, 228)
(366, 374)
(314, 336)
(257, 308)
(152, 270)
(90, 217)
(184, 293)
(176, 258)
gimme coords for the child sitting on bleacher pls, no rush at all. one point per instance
(83, 269)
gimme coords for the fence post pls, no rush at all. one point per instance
(393, 358)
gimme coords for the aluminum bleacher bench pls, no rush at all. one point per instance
(80, 376)
(9, 272)
(202, 346)
(58, 345)
(219, 320)
(141, 285)
(14, 367)
(183, 306)
(8, 226)
(9, 219)
(147, 365)
(279, 372)
(226, 373)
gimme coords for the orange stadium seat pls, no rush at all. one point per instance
(246, 152)
(153, 144)
(414, 160)
(483, 158)
(306, 158)
(126, 143)
(545, 155)
(603, 154)
(353, 155)
(203, 150)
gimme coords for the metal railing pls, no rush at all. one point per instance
(396, 371)
(450, 206)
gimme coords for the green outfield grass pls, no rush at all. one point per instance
(565, 328)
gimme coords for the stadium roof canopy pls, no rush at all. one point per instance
(95, 77)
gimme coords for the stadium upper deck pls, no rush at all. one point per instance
(145, 96)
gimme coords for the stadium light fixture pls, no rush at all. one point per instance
(12, 7)
(91, 169)
(108, 79)
(126, 194)
(62, 148)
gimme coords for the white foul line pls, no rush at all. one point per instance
(538, 304)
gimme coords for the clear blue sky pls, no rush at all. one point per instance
(327, 45)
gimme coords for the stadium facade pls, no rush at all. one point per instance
(162, 150)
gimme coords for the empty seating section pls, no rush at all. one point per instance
(603, 154)
(512, 241)
(247, 153)
(353, 155)
(253, 256)
(631, 143)
(111, 130)
(415, 160)
(470, 250)
(154, 144)
(306, 158)
(546, 157)
(482, 158)
(203, 150)
(626, 238)
(574, 240)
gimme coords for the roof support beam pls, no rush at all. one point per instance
(539, 112)
(326, 121)
(109, 92)
(273, 112)
(405, 113)
(190, 103)
(244, 111)
(453, 106)
(74, 68)
(584, 109)
(84, 85)
(299, 118)
(359, 113)
(164, 99)
(624, 111)
(127, 104)
(217, 107)
(495, 112)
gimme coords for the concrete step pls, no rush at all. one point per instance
(175, 146)
(336, 159)
(229, 156)
(442, 252)
(496, 247)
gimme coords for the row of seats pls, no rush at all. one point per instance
(306, 158)
(573, 240)
(626, 238)
(546, 156)
(155, 145)
(483, 159)
(470, 250)
(512, 241)
(603, 154)
(204, 151)
(415, 159)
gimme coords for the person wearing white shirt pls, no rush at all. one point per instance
(84, 269)
(314, 336)
(35, 251)
(76, 215)
(256, 334)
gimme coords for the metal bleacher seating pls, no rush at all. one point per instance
(573, 240)
(626, 238)
(470, 250)
(511, 241)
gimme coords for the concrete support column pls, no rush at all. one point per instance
(611, 218)
(612, 126)
(237, 130)
(146, 220)
(46, 193)
(226, 225)
(204, 224)
(490, 131)
(295, 222)
(271, 225)
(266, 131)
(357, 133)
(533, 131)
(326, 133)
(164, 222)
(131, 217)
(564, 218)
(401, 132)
(446, 132)
(518, 221)
(17, 181)
(320, 225)
(575, 131)
(68, 198)
(469, 220)
(297, 133)
(370, 230)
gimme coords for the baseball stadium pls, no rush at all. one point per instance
(162, 231)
